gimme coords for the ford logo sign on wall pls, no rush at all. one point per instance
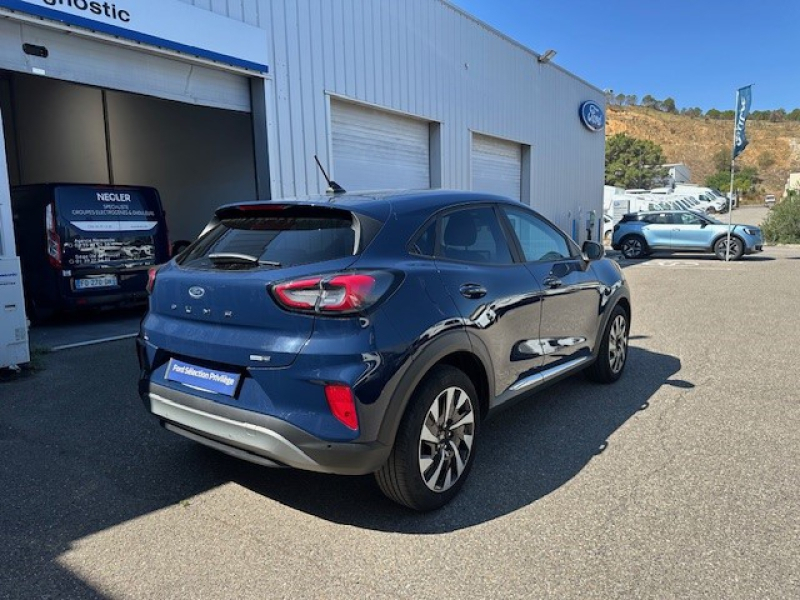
(592, 116)
(196, 292)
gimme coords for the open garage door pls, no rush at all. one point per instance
(374, 149)
(496, 166)
(61, 55)
(195, 156)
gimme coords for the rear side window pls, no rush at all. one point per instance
(474, 235)
(285, 238)
(658, 219)
(425, 242)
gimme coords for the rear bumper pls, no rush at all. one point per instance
(261, 439)
(73, 300)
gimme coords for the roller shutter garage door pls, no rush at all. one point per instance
(374, 149)
(81, 59)
(496, 166)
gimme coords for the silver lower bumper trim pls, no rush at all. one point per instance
(246, 436)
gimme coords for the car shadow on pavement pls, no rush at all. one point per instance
(682, 257)
(80, 456)
(526, 452)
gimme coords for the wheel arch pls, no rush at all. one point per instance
(451, 350)
(635, 234)
(733, 235)
(622, 300)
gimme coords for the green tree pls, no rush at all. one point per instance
(668, 105)
(649, 101)
(778, 116)
(782, 225)
(745, 179)
(722, 161)
(631, 100)
(794, 115)
(713, 113)
(633, 163)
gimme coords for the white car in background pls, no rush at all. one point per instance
(608, 228)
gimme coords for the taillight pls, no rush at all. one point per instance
(341, 293)
(342, 404)
(151, 279)
(53, 241)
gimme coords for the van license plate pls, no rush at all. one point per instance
(96, 282)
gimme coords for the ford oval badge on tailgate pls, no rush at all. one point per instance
(196, 292)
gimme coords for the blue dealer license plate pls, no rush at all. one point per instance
(201, 378)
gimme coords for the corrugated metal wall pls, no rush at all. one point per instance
(428, 59)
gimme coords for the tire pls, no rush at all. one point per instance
(613, 354)
(633, 246)
(39, 314)
(737, 248)
(435, 445)
(712, 210)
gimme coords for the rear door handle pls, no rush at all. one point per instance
(472, 291)
(552, 282)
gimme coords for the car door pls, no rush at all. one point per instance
(496, 295)
(690, 231)
(658, 230)
(571, 291)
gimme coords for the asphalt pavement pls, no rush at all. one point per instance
(679, 481)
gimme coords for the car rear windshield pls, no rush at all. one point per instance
(278, 237)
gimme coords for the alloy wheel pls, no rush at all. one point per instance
(446, 439)
(632, 248)
(618, 344)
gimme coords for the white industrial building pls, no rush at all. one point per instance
(215, 101)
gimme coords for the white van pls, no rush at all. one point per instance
(718, 202)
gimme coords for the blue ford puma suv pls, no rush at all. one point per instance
(373, 333)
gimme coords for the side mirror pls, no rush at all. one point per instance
(592, 250)
(703, 225)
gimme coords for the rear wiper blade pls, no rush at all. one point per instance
(238, 257)
(233, 257)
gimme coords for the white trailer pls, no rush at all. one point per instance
(14, 346)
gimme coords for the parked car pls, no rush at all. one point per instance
(355, 334)
(717, 200)
(608, 228)
(639, 234)
(769, 200)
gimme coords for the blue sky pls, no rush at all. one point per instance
(698, 52)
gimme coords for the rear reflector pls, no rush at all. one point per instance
(342, 405)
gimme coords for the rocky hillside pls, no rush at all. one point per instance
(774, 148)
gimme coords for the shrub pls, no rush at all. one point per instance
(782, 225)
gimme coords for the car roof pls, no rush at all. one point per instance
(662, 212)
(375, 203)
